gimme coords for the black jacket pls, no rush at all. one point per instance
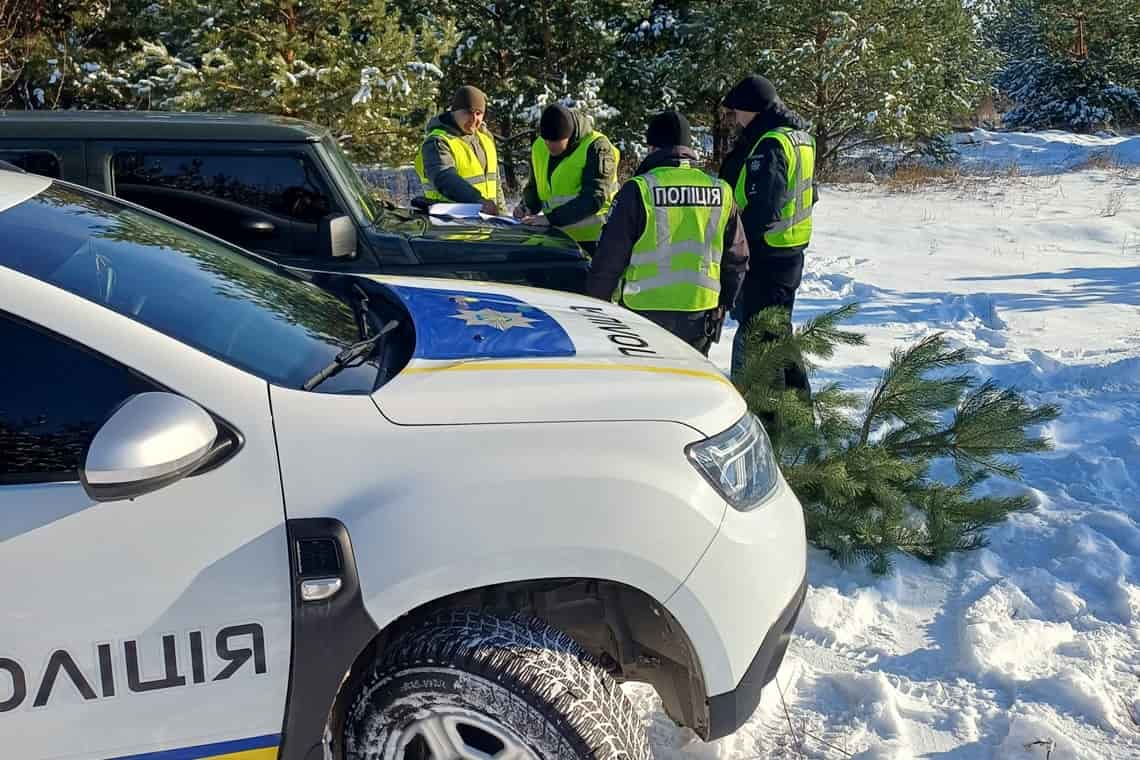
(599, 165)
(627, 221)
(766, 181)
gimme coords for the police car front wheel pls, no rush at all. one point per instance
(467, 684)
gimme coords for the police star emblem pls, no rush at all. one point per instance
(500, 320)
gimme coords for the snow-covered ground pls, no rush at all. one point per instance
(1029, 649)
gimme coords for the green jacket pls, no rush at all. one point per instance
(599, 160)
(439, 164)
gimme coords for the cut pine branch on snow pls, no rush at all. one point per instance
(862, 468)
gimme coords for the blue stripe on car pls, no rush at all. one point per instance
(458, 324)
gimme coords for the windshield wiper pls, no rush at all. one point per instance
(360, 350)
(361, 311)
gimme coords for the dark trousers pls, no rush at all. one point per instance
(693, 327)
(771, 281)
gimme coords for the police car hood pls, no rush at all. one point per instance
(493, 353)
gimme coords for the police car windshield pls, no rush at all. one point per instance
(199, 291)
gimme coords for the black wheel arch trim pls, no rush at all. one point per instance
(331, 636)
(328, 637)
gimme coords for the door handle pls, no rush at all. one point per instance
(259, 226)
(319, 589)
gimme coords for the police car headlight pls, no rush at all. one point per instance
(739, 463)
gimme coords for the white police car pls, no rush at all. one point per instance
(246, 516)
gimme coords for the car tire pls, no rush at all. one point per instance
(467, 684)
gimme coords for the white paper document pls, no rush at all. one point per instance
(464, 210)
(467, 211)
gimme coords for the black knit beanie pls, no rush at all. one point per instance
(468, 98)
(668, 128)
(754, 93)
(557, 123)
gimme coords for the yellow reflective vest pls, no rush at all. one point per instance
(794, 226)
(485, 179)
(564, 184)
(675, 264)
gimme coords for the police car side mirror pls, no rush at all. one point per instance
(150, 441)
(337, 237)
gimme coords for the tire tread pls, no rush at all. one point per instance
(535, 663)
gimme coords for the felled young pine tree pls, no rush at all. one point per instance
(861, 466)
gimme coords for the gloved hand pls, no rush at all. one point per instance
(715, 323)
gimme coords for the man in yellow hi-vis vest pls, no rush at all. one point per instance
(573, 176)
(771, 169)
(458, 162)
(673, 248)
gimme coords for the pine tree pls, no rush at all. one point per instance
(52, 53)
(524, 56)
(862, 467)
(860, 70)
(1068, 70)
(346, 64)
(658, 65)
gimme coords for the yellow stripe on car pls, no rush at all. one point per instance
(267, 753)
(514, 366)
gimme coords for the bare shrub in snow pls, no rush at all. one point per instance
(1104, 160)
(1131, 245)
(910, 178)
(1113, 203)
